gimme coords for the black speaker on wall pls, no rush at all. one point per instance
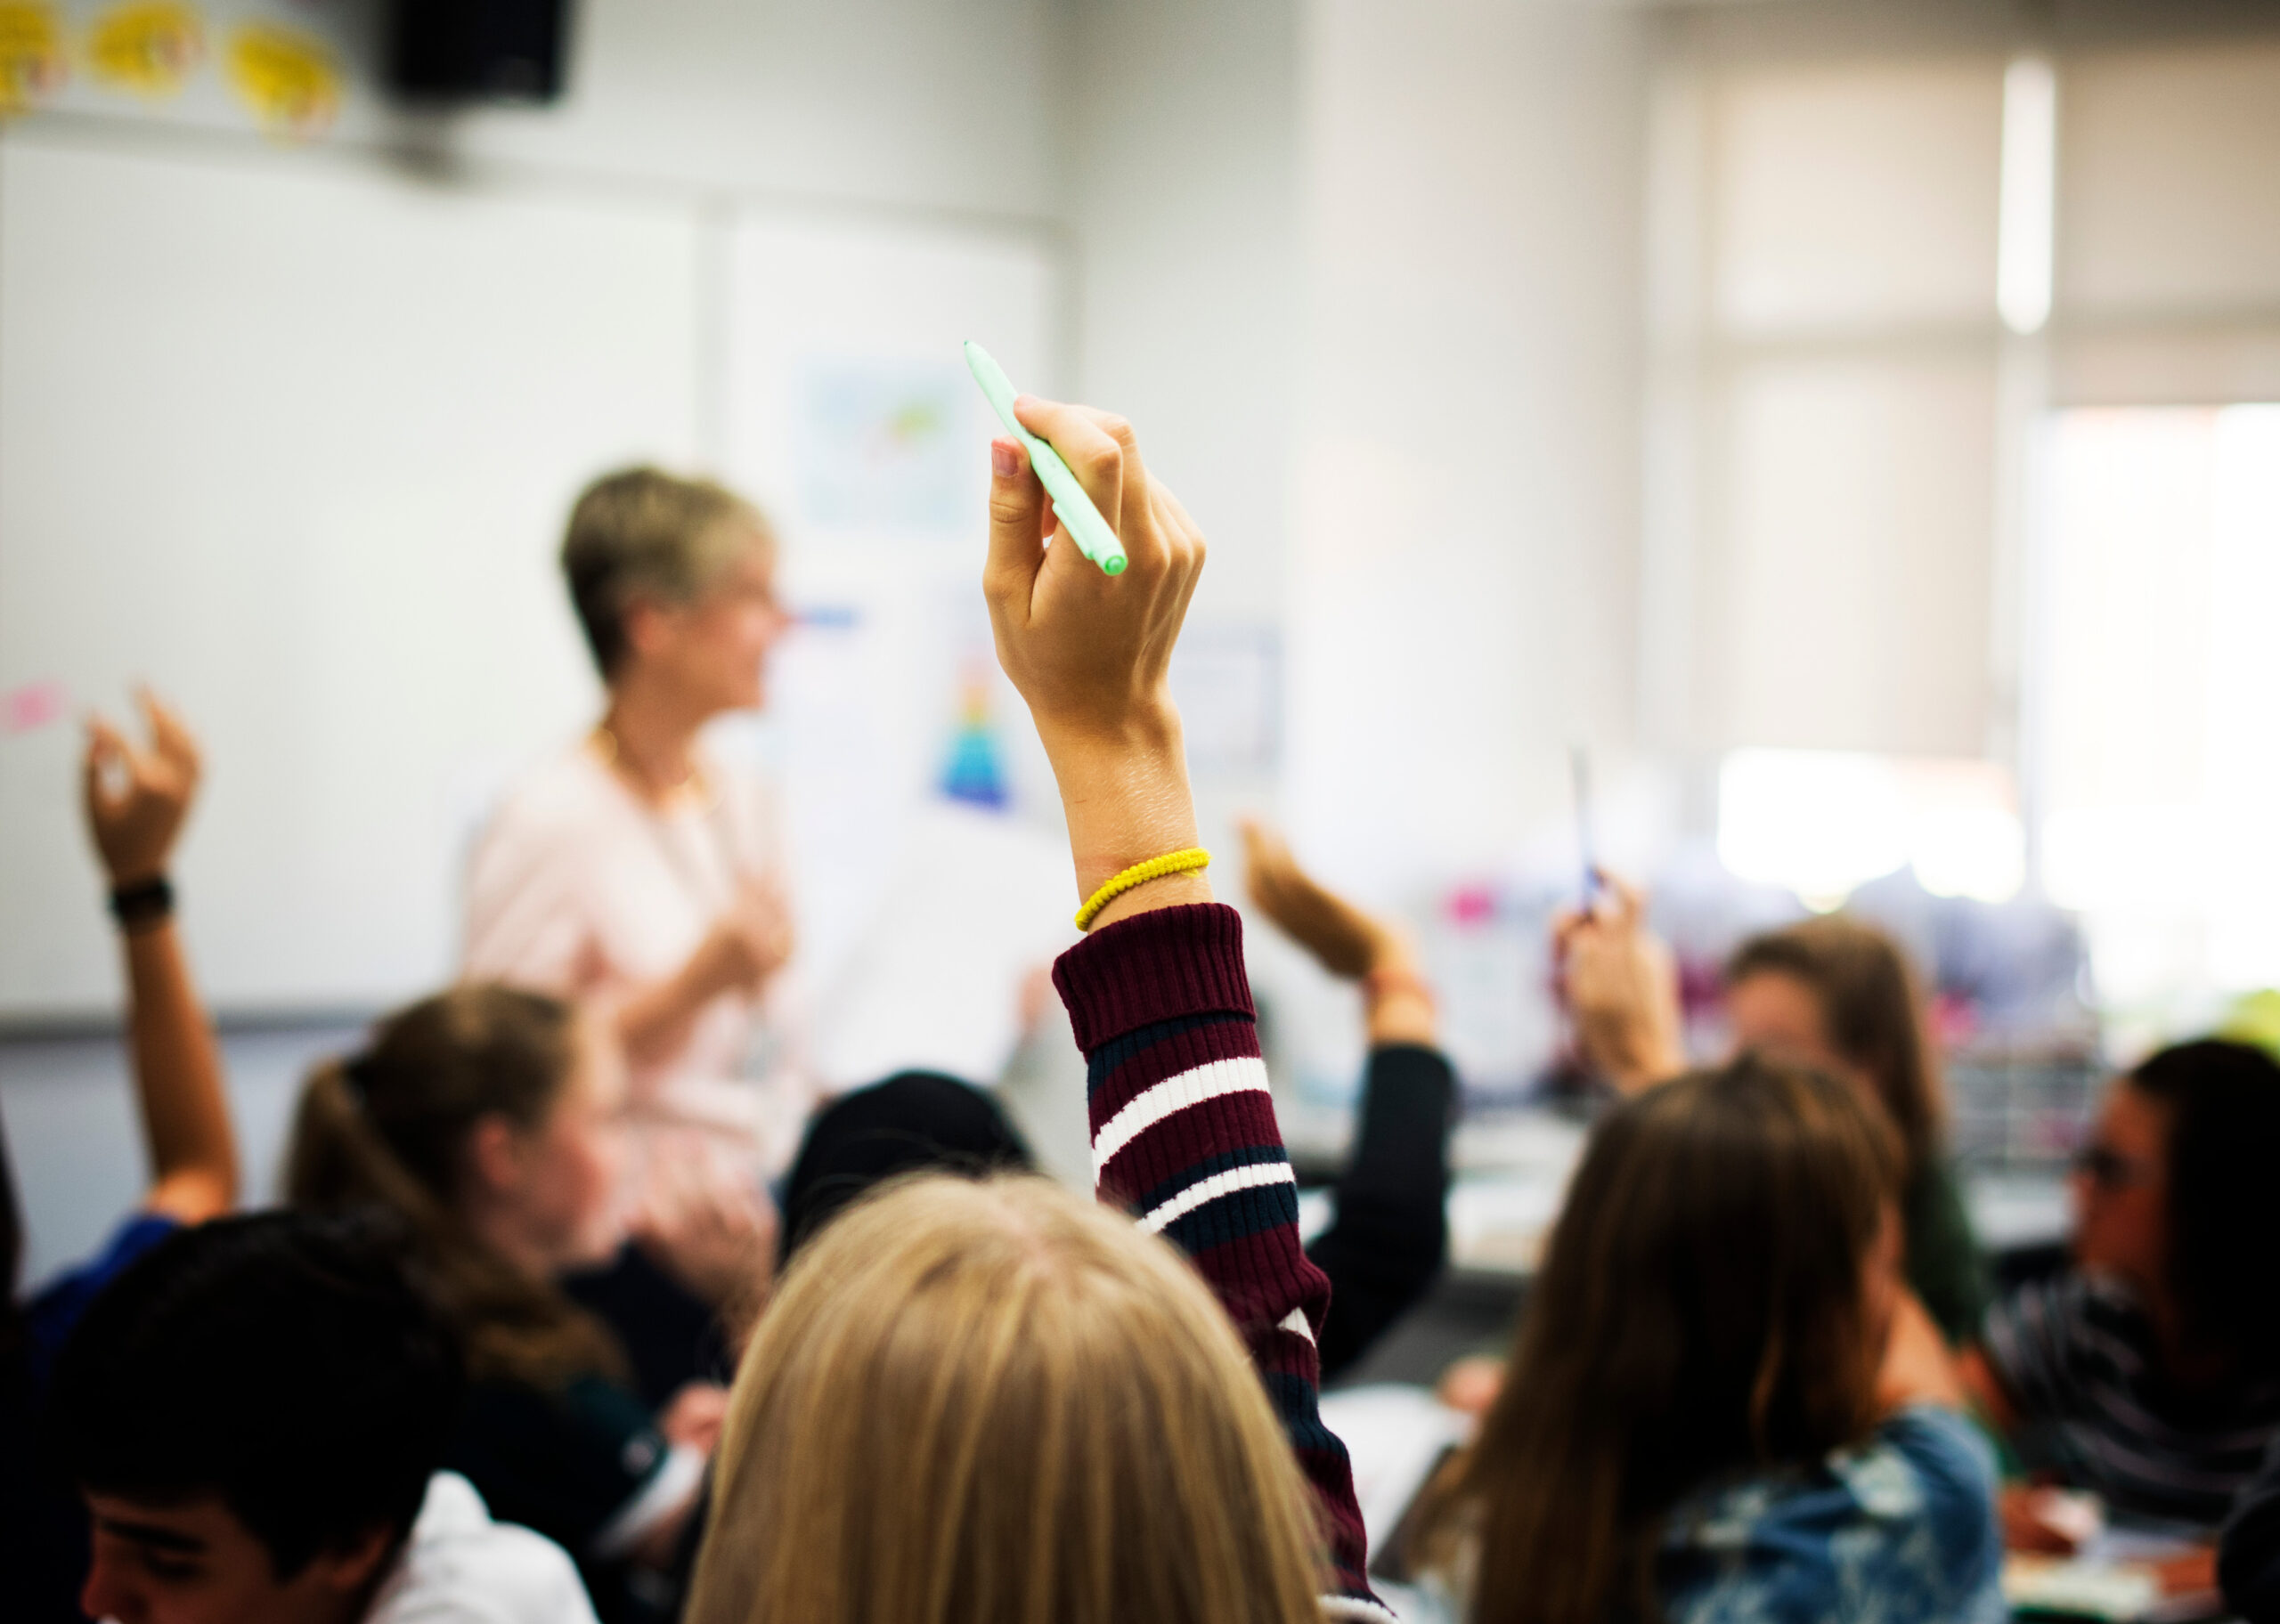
(479, 49)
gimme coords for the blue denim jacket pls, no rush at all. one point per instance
(1900, 1530)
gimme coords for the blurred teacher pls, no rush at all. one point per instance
(639, 872)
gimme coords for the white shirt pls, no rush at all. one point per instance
(582, 890)
(459, 1567)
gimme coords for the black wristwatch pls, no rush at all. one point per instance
(145, 903)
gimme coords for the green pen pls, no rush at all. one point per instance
(1080, 521)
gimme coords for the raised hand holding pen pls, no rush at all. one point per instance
(1619, 984)
(1091, 654)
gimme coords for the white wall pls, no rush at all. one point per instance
(1367, 280)
(890, 101)
(1182, 185)
(1463, 563)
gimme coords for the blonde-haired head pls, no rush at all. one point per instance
(994, 1402)
(644, 534)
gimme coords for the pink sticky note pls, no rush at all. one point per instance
(35, 704)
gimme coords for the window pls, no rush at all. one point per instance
(2159, 781)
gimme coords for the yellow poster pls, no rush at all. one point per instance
(32, 65)
(290, 80)
(146, 46)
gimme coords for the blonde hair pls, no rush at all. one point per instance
(994, 1402)
(642, 532)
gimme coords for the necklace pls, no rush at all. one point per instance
(694, 787)
(698, 793)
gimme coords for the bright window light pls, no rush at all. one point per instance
(1817, 822)
(1820, 823)
(2030, 194)
(2161, 783)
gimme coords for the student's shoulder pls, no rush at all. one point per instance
(1950, 1459)
(461, 1567)
(1925, 1483)
(55, 1312)
(2062, 1320)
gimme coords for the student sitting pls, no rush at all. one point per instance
(1723, 1404)
(2150, 1371)
(135, 802)
(1834, 994)
(256, 1412)
(487, 1120)
(978, 1402)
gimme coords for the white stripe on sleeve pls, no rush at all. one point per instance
(1212, 1080)
(1204, 1191)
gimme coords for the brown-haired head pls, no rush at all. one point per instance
(1871, 1015)
(996, 1402)
(390, 1129)
(1703, 1306)
(644, 534)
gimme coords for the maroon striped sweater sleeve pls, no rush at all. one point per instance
(1185, 1138)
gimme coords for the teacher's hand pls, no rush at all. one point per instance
(750, 940)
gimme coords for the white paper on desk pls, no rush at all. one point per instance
(2112, 1577)
(977, 904)
(1394, 1434)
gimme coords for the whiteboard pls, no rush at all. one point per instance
(294, 439)
(864, 709)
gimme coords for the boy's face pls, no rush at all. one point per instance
(192, 1562)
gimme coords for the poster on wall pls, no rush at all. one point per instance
(296, 71)
(882, 446)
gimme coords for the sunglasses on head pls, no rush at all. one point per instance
(2109, 1169)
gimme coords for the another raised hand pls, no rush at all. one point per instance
(1091, 654)
(1620, 987)
(1348, 943)
(136, 798)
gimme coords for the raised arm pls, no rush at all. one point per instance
(1184, 1130)
(136, 800)
(1389, 1232)
(1620, 987)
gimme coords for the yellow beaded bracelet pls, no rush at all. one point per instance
(1155, 868)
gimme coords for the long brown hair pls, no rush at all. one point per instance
(996, 1402)
(1872, 1011)
(1701, 1309)
(388, 1128)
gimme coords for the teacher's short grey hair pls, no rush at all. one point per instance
(642, 533)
